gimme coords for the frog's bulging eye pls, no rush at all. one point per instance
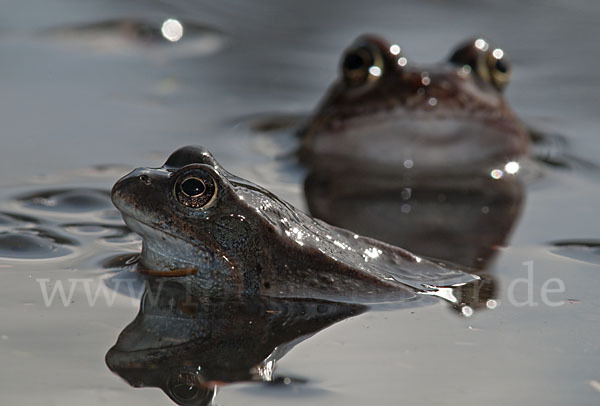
(361, 64)
(499, 68)
(490, 65)
(195, 191)
(357, 61)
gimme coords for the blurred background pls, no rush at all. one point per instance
(88, 83)
(72, 99)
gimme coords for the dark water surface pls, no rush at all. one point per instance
(83, 99)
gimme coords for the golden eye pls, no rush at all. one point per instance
(490, 65)
(499, 68)
(196, 190)
(362, 64)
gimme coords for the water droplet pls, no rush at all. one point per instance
(466, 311)
(512, 167)
(496, 174)
(172, 30)
(481, 44)
(375, 71)
(406, 193)
(491, 304)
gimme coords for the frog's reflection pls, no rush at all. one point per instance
(461, 221)
(188, 344)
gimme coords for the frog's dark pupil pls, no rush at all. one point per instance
(501, 66)
(353, 61)
(193, 187)
(185, 392)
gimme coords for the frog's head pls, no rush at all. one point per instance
(189, 214)
(382, 110)
(374, 73)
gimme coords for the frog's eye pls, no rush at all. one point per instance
(490, 65)
(195, 190)
(361, 65)
(498, 68)
(186, 387)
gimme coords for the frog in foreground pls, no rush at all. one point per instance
(225, 234)
(384, 113)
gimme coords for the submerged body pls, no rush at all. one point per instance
(382, 112)
(460, 220)
(224, 233)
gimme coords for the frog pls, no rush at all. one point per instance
(384, 114)
(227, 235)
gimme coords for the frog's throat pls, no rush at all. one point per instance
(164, 253)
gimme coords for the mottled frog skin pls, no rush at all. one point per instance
(224, 233)
(383, 113)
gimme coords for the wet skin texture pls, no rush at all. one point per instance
(451, 116)
(219, 232)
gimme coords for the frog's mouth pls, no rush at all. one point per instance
(166, 254)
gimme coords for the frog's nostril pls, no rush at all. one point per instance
(145, 179)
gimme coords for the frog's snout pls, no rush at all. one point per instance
(127, 184)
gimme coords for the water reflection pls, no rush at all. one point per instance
(68, 200)
(460, 221)
(171, 37)
(188, 344)
(66, 224)
(172, 30)
(586, 250)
